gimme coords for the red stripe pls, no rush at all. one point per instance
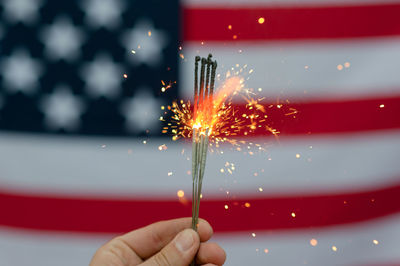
(325, 117)
(211, 24)
(111, 215)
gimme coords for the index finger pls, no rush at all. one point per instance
(149, 240)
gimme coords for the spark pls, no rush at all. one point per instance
(103, 146)
(261, 20)
(180, 193)
(149, 33)
(229, 27)
(133, 51)
(234, 37)
(125, 76)
(162, 147)
(347, 65)
(247, 205)
(169, 173)
(339, 67)
(293, 214)
(313, 242)
(226, 207)
(297, 156)
(381, 106)
(376, 242)
(334, 248)
(260, 189)
(266, 251)
(253, 234)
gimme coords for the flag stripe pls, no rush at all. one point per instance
(281, 3)
(112, 215)
(326, 117)
(354, 245)
(106, 167)
(291, 23)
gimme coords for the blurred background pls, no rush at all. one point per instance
(82, 159)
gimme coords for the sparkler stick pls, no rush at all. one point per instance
(201, 129)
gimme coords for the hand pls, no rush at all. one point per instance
(166, 243)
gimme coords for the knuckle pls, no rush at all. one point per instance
(161, 259)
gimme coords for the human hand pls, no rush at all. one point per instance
(166, 243)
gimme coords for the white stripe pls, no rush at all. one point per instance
(354, 244)
(280, 68)
(80, 166)
(281, 3)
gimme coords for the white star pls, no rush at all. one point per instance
(62, 40)
(147, 42)
(25, 11)
(142, 112)
(62, 109)
(102, 76)
(103, 13)
(20, 72)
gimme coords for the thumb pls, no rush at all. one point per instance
(179, 252)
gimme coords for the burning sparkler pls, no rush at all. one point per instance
(202, 117)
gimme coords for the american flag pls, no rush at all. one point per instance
(82, 158)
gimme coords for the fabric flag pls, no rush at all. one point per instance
(84, 83)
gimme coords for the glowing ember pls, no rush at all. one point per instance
(180, 193)
(226, 207)
(261, 20)
(313, 242)
(293, 214)
(162, 147)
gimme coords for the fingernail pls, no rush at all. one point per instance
(184, 240)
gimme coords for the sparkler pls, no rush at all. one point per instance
(202, 114)
(203, 104)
